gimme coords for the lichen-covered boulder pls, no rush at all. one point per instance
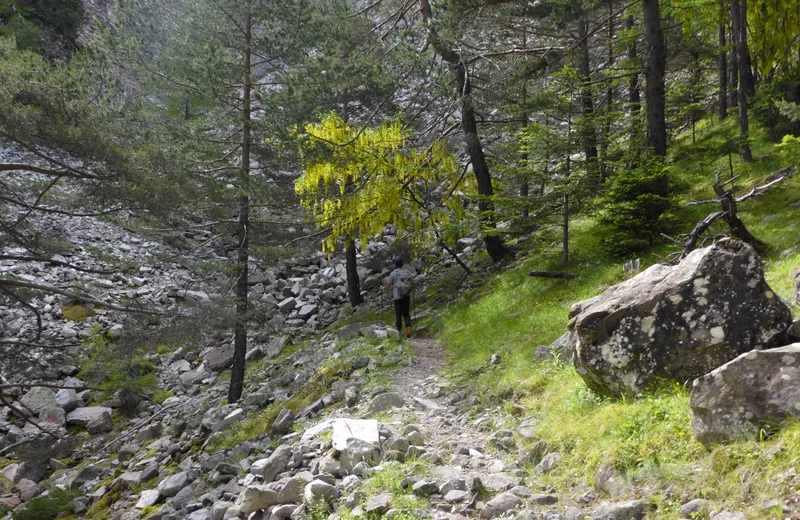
(754, 392)
(677, 322)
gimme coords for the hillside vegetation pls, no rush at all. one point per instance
(648, 437)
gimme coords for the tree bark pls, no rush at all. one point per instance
(746, 81)
(634, 98)
(733, 82)
(656, 69)
(472, 142)
(588, 133)
(745, 85)
(723, 72)
(609, 96)
(243, 225)
(351, 267)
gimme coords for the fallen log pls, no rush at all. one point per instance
(551, 274)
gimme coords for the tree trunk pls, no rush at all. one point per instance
(634, 99)
(483, 178)
(723, 73)
(609, 96)
(733, 82)
(588, 133)
(243, 225)
(746, 81)
(351, 267)
(656, 69)
(742, 58)
(565, 223)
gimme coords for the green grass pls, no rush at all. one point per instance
(648, 438)
(261, 422)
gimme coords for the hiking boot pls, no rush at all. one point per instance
(408, 331)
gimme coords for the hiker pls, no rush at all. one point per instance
(401, 283)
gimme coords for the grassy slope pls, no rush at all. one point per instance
(648, 437)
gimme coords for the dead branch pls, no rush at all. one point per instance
(729, 211)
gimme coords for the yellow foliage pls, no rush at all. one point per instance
(358, 180)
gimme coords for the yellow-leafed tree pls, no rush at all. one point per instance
(357, 180)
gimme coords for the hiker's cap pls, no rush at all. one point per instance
(398, 261)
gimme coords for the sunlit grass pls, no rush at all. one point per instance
(647, 437)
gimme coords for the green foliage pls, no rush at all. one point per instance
(46, 507)
(117, 368)
(637, 207)
(77, 313)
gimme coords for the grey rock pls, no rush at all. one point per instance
(182, 498)
(218, 358)
(542, 499)
(548, 462)
(318, 491)
(729, 515)
(351, 396)
(290, 490)
(170, 486)
(193, 377)
(611, 480)
(273, 465)
(628, 510)
(386, 401)
(218, 510)
(86, 474)
(425, 487)
(499, 505)
(96, 419)
(697, 507)
(255, 497)
(527, 428)
(456, 496)
(200, 514)
(725, 406)
(39, 399)
(149, 472)
(284, 511)
(27, 489)
(258, 399)
(55, 416)
(67, 399)
(147, 498)
(283, 422)
(378, 504)
(677, 322)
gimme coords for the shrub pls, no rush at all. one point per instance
(119, 369)
(46, 507)
(637, 208)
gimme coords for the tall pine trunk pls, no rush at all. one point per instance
(609, 96)
(738, 20)
(243, 226)
(656, 69)
(588, 132)
(733, 81)
(723, 70)
(472, 142)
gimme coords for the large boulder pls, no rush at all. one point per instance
(39, 399)
(96, 419)
(677, 322)
(218, 358)
(754, 392)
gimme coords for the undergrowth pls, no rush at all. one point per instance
(647, 437)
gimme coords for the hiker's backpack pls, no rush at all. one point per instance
(402, 282)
